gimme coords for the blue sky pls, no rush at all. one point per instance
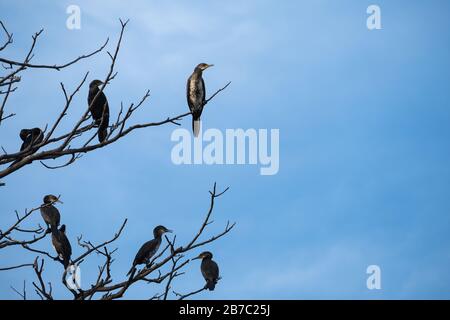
(364, 142)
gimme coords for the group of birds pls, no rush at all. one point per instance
(99, 109)
(208, 267)
(52, 219)
(195, 95)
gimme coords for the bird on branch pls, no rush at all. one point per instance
(30, 138)
(149, 248)
(62, 245)
(196, 93)
(210, 270)
(50, 213)
(99, 109)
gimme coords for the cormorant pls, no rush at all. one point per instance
(62, 245)
(99, 109)
(195, 93)
(149, 248)
(210, 270)
(50, 213)
(30, 137)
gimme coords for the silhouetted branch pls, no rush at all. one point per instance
(121, 287)
(17, 267)
(71, 145)
(117, 130)
(22, 294)
(184, 296)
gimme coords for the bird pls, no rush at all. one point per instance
(195, 94)
(30, 138)
(210, 270)
(50, 213)
(149, 248)
(99, 109)
(62, 245)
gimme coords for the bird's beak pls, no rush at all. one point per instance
(209, 66)
(169, 231)
(59, 201)
(196, 258)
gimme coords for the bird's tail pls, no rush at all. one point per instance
(102, 134)
(103, 127)
(210, 285)
(196, 123)
(66, 263)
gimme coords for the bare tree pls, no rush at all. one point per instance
(73, 144)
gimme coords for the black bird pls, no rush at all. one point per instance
(149, 248)
(99, 109)
(195, 93)
(62, 245)
(30, 138)
(50, 213)
(210, 270)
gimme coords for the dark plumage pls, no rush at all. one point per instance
(62, 245)
(99, 109)
(50, 213)
(196, 93)
(30, 137)
(149, 248)
(210, 270)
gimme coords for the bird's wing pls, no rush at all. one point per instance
(66, 245)
(145, 252)
(188, 94)
(210, 270)
(203, 92)
(55, 216)
(57, 243)
(98, 105)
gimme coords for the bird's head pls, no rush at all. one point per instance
(160, 230)
(204, 255)
(36, 131)
(49, 199)
(203, 66)
(24, 133)
(95, 83)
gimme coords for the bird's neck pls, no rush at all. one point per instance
(158, 237)
(94, 89)
(198, 73)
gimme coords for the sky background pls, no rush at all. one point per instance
(364, 142)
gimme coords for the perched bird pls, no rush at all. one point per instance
(62, 245)
(50, 213)
(149, 248)
(210, 270)
(195, 93)
(99, 109)
(30, 138)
